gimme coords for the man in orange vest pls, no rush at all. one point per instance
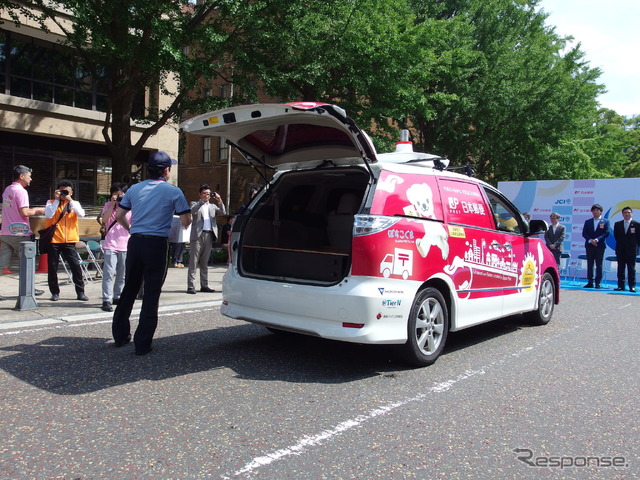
(64, 210)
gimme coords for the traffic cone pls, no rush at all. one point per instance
(43, 265)
(6, 271)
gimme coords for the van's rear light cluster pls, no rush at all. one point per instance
(370, 224)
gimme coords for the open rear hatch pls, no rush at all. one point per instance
(300, 228)
(279, 134)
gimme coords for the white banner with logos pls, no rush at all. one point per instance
(572, 200)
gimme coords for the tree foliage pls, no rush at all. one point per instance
(140, 47)
(486, 82)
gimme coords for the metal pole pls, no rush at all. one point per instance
(228, 204)
(26, 298)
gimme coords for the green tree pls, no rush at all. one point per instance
(518, 95)
(137, 45)
(482, 81)
(354, 53)
(632, 147)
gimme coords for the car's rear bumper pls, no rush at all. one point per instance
(359, 309)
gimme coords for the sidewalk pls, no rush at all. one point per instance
(174, 297)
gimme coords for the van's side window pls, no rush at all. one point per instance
(505, 217)
(465, 204)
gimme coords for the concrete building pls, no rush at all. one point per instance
(52, 115)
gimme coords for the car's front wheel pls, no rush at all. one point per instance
(546, 302)
(428, 326)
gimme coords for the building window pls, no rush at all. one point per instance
(226, 90)
(206, 150)
(48, 72)
(223, 150)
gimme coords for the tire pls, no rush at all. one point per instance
(427, 328)
(546, 302)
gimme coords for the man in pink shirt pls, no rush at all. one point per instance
(15, 221)
(115, 249)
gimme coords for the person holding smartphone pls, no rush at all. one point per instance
(204, 232)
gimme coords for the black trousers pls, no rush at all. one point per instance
(628, 263)
(146, 262)
(594, 255)
(70, 255)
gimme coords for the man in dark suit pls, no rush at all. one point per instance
(627, 235)
(554, 237)
(594, 231)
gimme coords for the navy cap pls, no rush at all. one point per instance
(161, 160)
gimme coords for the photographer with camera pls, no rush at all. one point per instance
(204, 231)
(64, 211)
(115, 249)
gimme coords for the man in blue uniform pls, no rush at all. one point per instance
(152, 203)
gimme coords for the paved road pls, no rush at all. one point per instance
(223, 399)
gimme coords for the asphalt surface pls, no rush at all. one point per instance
(224, 399)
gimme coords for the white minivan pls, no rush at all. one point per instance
(348, 244)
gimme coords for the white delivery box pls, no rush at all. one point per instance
(178, 233)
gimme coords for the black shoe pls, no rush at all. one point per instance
(106, 306)
(618, 289)
(115, 301)
(122, 343)
(82, 297)
(207, 290)
(588, 285)
(143, 352)
(55, 297)
(191, 291)
(37, 292)
(632, 289)
(598, 286)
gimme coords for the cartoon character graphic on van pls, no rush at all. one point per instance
(421, 197)
(435, 235)
(389, 183)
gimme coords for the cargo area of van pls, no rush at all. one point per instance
(301, 228)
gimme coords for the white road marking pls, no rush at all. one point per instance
(66, 322)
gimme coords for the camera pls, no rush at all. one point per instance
(64, 192)
(119, 198)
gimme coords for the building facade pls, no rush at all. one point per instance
(52, 115)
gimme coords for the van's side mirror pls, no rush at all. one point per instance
(537, 227)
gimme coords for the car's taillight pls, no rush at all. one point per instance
(369, 224)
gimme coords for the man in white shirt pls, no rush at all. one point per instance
(204, 231)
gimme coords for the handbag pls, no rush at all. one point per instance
(46, 234)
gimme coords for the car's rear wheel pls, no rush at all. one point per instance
(428, 326)
(546, 302)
